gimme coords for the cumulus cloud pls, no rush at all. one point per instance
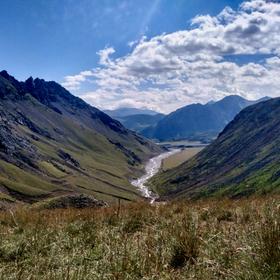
(73, 82)
(193, 65)
(105, 55)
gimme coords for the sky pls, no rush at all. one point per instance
(156, 54)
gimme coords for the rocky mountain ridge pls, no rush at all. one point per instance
(53, 143)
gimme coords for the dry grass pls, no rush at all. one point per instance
(177, 159)
(178, 240)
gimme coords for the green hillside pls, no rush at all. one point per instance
(245, 159)
(52, 143)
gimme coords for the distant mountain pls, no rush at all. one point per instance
(124, 112)
(140, 122)
(135, 119)
(52, 144)
(197, 121)
(243, 160)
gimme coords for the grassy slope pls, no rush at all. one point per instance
(104, 169)
(100, 161)
(234, 240)
(244, 159)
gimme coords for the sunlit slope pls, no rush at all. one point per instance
(53, 143)
(245, 159)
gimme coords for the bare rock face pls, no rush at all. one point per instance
(68, 158)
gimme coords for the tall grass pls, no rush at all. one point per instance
(178, 240)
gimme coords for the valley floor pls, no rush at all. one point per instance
(181, 157)
(179, 240)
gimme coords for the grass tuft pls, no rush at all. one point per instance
(212, 239)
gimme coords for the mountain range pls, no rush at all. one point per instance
(129, 111)
(243, 160)
(198, 121)
(140, 122)
(135, 119)
(53, 143)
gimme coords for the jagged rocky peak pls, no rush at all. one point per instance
(29, 84)
(9, 86)
(5, 74)
(44, 91)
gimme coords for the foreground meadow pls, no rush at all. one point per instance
(178, 240)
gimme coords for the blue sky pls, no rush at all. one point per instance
(59, 39)
(52, 39)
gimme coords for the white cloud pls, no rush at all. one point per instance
(171, 70)
(105, 55)
(73, 82)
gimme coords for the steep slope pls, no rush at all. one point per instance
(53, 143)
(244, 159)
(197, 121)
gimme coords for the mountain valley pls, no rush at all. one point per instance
(52, 144)
(242, 161)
